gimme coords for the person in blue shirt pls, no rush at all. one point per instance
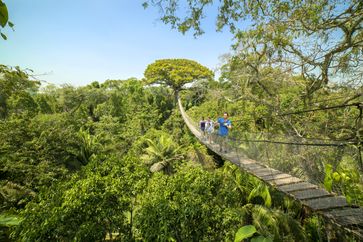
(224, 126)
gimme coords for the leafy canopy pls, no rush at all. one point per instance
(320, 39)
(176, 72)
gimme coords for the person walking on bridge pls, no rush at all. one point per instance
(224, 126)
(202, 127)
(209, 127)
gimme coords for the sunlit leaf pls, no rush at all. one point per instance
(244, 232)
(4, 16)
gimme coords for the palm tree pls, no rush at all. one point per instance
(89, 146)
(160, 155)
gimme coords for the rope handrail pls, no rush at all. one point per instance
(358, 104)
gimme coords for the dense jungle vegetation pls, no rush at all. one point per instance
(114, 161)
(76, 164)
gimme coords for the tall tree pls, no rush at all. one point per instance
(175, 73)
(15, 84)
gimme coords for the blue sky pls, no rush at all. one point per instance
(80, 41)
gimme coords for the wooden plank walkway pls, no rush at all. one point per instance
(330, 206)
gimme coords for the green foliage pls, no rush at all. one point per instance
(48, 135)
(176, 127)
(32, 152)
(345, 179)
(22, 103)
(89, 146)
(248, 231)
(75, 162)
(16, 86)
(328, 179)
(7, 221)
(261, 190)
(4, 16)
(244, 233)
(313, 229)
(190, 205)
(13, 195)
(87, 207)
(272, 223)
(175, 72)
(161, 154)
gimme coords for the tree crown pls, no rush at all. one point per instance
(176, 72)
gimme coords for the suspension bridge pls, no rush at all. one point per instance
(335, 209)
